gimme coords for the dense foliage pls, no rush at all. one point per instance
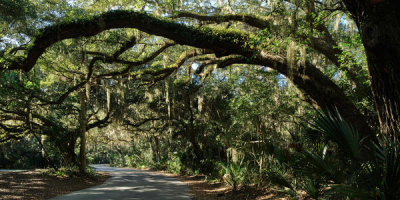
(252, 93)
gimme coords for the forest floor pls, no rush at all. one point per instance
(38, 185)
(203, 190)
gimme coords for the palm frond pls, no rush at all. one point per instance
(334, 128)
(387, 163)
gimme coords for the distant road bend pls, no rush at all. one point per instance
(132, 184)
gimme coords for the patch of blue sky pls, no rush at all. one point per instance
(241, 80)
(195, 66)
(219, 75)
(281, 80)
(196, 79)
(337, 75)
(72, 2)
(264, 68)
(15, 40)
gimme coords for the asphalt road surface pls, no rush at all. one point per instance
(132, 184)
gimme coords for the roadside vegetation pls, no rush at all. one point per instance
(294, 97)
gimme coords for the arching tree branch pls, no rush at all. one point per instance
(307, 78)
(248, 19)
(131, 64)
(199, 37)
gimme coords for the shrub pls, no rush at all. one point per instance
(235, 174)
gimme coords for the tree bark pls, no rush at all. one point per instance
(157, 144)
(69, 153)
(152, 149)
(83, 129)
(320, 90)
(379, 25)
(121, 155)
(192, 133)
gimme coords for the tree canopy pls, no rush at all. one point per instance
(224, 80)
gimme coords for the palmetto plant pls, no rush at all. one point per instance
(333, 163)
(236, 173)
(334, 128)
(386, 168)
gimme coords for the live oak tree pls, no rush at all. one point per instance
(379, 23)
(42, 119)
(256, 39)
(216, 87)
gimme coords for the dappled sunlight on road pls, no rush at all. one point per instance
(132, 184)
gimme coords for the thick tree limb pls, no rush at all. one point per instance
(129, 44)
(328, 46)
(63, 96)
(133, 63)
(309, 80)
(307, 77)
(100, 123)
(160, 74)
(199, 37)
(109, 59)
(251, 20)
(354, 72)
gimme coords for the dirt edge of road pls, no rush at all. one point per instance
(38, 185)
(203, 190)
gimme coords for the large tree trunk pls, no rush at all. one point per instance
(152, 149)
(83, 124)
(379, 25)
(192, 133)
(121, 155)
(69, 153)
(157, 145)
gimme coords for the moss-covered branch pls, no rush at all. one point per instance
(131, 64)
(248, 19)
(221, 41)
(160, 74)
(307, 78)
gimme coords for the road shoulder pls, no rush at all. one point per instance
(37, 185)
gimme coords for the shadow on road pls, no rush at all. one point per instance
(132, 184)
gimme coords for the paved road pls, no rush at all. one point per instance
(13, 170)
(132, 184)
